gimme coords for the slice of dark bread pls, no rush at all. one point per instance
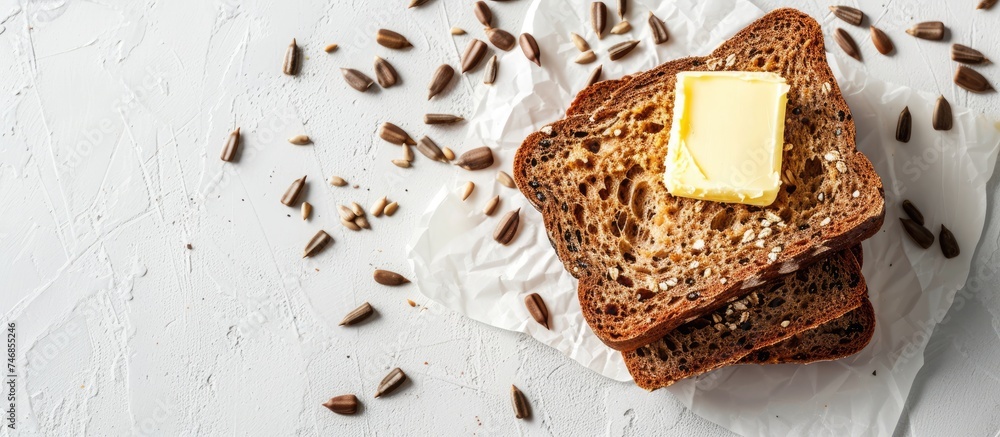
(767, 315)
(598, 182)
(838, 338)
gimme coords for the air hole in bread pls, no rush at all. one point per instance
(652, 128)
(662, 354)
(721, 220)
(603, 192)
(638, 199)
(611, 309)
(624, 191)
(625, 281)
(580, 215)
(813, 168)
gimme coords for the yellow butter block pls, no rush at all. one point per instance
(727, 136)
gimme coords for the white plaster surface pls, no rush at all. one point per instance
(112, 116)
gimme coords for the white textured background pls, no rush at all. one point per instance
(113, 116)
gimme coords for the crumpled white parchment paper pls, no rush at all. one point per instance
(458, 264)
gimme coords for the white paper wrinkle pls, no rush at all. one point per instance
(458, 264)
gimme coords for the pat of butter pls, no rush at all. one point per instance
(727, 136)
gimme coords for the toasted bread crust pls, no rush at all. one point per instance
(635, 329)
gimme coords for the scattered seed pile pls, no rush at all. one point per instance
(644, 268)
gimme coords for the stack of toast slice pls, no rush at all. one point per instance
(683, 286)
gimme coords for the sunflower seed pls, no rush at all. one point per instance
(942, 115)
(448, 153)
(300, 140)
(343, 404)
(971, 80)
(345, 213)
(507, 227)
(357, 209)
(401, 163)
(932, 30)
(349, 224)
(358, 315)
(595, 76)
(293, 191)
(394, 134)
(505, 179)
(476, 159)
(407, 153)
(881, 41)
(291, 63)
(500, 38)
(490, 75)
(467, 190)
(391, 382)
(918, 233)
(848, 14)
(520, 403)
(586, 57)
(457, 31)
(441, 119)
(417, 3)
(911, 210)
(379, 206)
(598, 18)
(967, 55)
(659, 29)
(846, 42)
(579, 42)
(392, 40)
(622, 9)
(491, 205)
(473, 54)
(232, 146)
(483, 13)
(391, 208)
(428, 148)
(537, 309)
(903, 126)
(337, 181)
(356, 79)
(316, 244)
(621, 27)
(442, 76)
(986, 4)
(530, 48)
(362, 223)
(385, 73)
(392, 279)
(330, 48)
(621, 49)
(949, 245)
(307, 209)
